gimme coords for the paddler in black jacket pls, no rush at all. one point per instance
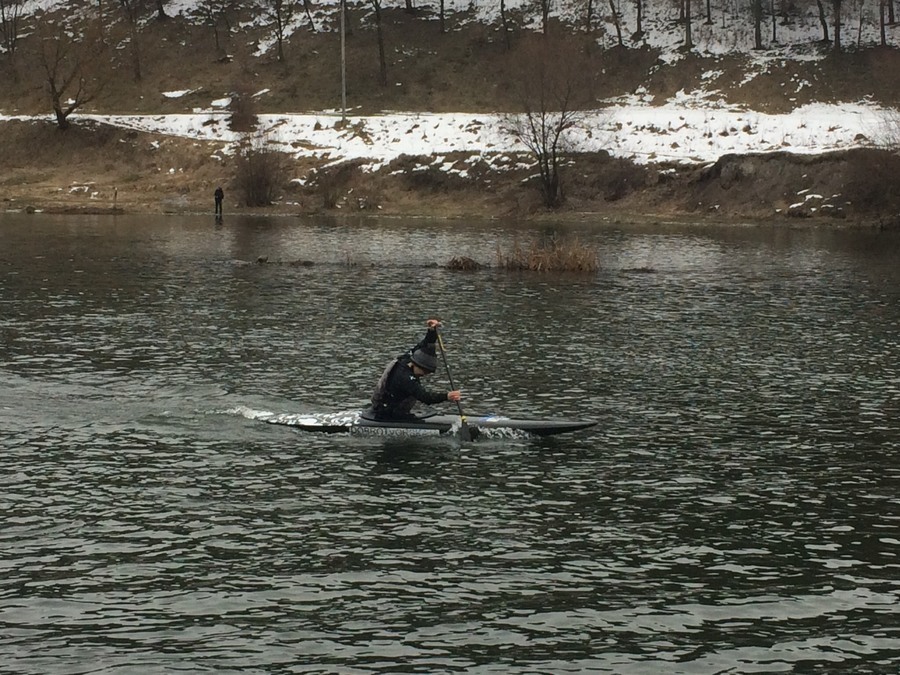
(399, 387)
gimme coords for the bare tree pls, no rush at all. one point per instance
(836, 5)
(10, 12)
(822, 20)
(861, 12)
(72, 70)
(545, 15)
(382, 59)
(757, 23)
(130, 10)
(504, 20)
(307, 7)
(688, 37)
(101, 22)
(639, 20)
(553, 90)
(215, 13)
(614, 10)
(281, 12)
(774, 21)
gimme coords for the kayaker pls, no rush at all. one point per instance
(399, 388)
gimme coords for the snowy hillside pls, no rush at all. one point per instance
(729, 28)
(693, 126)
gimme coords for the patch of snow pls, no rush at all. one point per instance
(692, 127)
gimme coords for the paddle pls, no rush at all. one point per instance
(465, 434)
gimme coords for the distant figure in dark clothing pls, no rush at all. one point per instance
(399, 388)
(219, 195)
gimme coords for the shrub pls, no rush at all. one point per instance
(259, 172)
(551, 255)
(463, 264)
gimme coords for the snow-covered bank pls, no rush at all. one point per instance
(675, 132)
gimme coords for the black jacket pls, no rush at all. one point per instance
(398, 389)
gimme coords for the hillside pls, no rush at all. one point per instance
(471, 67)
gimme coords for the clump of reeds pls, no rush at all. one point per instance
(549, 255)
(463, 264)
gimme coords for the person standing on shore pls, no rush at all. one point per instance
(219, 195)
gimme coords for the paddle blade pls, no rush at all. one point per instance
(465, 434)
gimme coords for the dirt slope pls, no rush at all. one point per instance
(94, 167)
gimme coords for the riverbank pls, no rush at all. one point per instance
(104, 169)
(724, 130)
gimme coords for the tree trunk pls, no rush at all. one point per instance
(308, 8)
(823, 20)
(688, 38)
(757, 24)
(774, 23)
(505, 21)
(10, 11)
(836, 4)
(131, 17)
(616, 22)
(859, 28)
(279, 29)
(62, 119)
(382, 59)
(135, 55)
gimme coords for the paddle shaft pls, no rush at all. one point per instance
(463, 428)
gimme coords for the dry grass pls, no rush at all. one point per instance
(463, 264)
(551, 255)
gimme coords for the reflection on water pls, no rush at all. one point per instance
(734, 511)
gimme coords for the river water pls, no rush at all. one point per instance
(734, 511)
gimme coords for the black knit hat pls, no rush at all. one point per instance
(426, 360)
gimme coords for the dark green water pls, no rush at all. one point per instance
(736, 509)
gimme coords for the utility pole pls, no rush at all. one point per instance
(343, 64)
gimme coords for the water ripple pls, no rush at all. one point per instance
(734, 511)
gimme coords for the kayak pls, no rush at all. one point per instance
(356, 422)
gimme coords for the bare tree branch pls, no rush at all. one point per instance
(10, 12)
(553, 90)
(72, 71)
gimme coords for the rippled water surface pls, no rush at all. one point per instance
(735, 510)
